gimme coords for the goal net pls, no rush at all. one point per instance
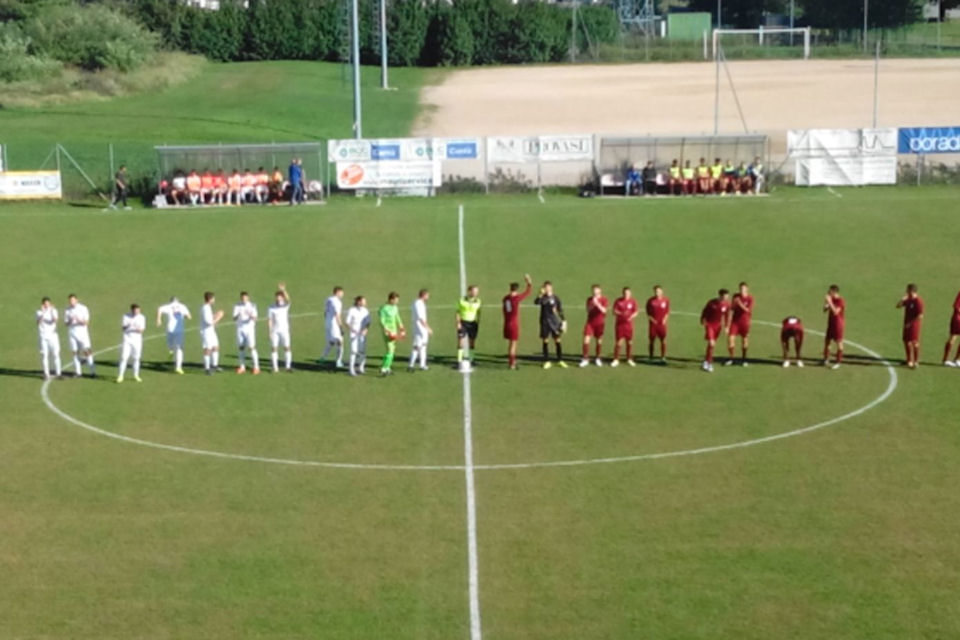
(773, 42)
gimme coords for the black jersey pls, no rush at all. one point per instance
(551, 312)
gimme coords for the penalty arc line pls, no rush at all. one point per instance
(468, 467)
(891, 387)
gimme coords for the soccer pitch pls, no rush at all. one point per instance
(319, 505)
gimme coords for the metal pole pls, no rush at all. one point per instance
(716, 92)
(792, 7)
(719, 13)
(355, 29)
(866, 12)
(876, 84)
(383, 45)
(112, 172)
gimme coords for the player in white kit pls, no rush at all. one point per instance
(245, 317)
(208, 334)
(358, 324)
(175, 312)
(133, 325)
(421, 331)
(278, 321)
(47, 318)
(333, 324)
(77, 318)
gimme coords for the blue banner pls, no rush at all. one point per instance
(461, 150)
(385, 152)
(924, 140)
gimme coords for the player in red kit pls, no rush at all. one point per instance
(742, 308)
(715, 319)
(511, 317)
(658, 312)
(836, 308)
(597, 307)
(912, 305)
(625, 310)
(954, 332)
(791, 329)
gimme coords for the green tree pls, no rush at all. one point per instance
(744, 14)
(830, 14)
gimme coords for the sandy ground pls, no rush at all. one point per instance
(679, 98)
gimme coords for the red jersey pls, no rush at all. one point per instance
(956, 308)
(624, 309)
(715, 311)
(792, 323)
(657, 309)
(744, 311)
(206, 180)
(219, 181)
(596, 315)
(912, 310)
(838, 318)
(511, 306)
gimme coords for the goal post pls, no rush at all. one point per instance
(764, 33)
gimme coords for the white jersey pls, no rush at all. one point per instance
(418, 315)
(245, 314)
(206, 318)
(332, 309)
(358, 319)
(47, 323)
(176, 313)
(279, 315)
(77, 317)
(133, 327)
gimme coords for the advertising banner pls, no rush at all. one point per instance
(403, 149)
(30, 185)
(388, 175)
(558, 148)
(844, 157)
(925, 140)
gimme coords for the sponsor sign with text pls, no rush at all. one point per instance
(30, 185)
(925, 140)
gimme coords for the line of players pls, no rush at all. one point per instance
(722, 315)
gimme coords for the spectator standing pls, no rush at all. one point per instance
(120, 188)
(295, 175)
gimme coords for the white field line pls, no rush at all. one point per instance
(468, 467)
(891, 387)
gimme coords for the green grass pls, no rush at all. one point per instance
(848, 532)
(230, 103)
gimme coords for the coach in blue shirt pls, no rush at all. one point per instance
(295, 175)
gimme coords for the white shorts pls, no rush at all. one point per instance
(80, 339)
(209, 339)
(334, 332)
(247, 338)
(420, 339)
(50, 344)
(174, 340)
(131, 348)
(280, 337)
(358, 345)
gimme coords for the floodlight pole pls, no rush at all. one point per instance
(866, 12)
(384, 84)
(876, 84)
(719, 13)
(716, 92)
(355, 29)
(792, 8)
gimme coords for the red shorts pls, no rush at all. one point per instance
(625, 331)
(835, 331)
(786, 334)
(594, 329)
(657, 330)
(740, 328)
(955, 326)
(911, 332)
(712, 331)
(511, 331)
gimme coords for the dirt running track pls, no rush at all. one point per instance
(679, 98)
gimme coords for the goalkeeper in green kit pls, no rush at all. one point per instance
(393, 330)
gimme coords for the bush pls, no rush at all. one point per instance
(91, 37)
(16, 63)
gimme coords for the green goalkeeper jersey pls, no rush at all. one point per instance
(390, 318)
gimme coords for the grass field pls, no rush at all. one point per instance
(844, 532)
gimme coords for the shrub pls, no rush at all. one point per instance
(91, 37)
(16, 63)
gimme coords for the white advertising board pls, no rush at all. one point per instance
(388, 175)
(402, 149)
(844, 157)
(558, 148)
(30, 185)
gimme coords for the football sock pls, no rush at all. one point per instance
(90, 364)
(413, 357)
(839, 355)
(206, 361)
(459, 355)
(241, 357)
(76, 365)
(254, 358)
(946, 352)
(423, 356)
(178, 358)
(546, 351)
(598, 349)
(388, 361)
(663, 349)
(46, 365)
(326, 351)
(710, 353)
(136, 367)
(586, 351)
(616, 350)
(288, 359)
(273, 359)
(340, 353)
(743, 351)
(56, 364)
(559, 351)
(629, 351)
(123, 367)
(215, 358)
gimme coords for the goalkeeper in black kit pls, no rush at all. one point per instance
(552, 324)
